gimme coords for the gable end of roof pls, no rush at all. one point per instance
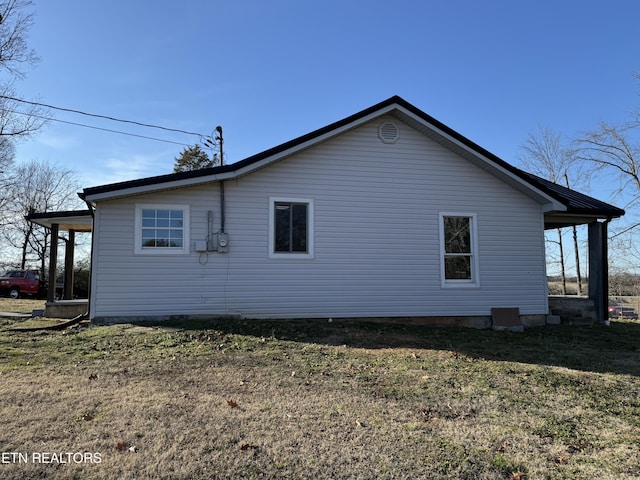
(574, 202)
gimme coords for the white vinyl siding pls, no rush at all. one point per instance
(376, 239)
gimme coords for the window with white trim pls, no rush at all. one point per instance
(290, 228)
(458, 247)
(162, 229)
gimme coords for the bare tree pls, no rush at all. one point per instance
(6, 160)
(576, 248)
(43, 187)
(16, 20)
(18, 120)
(615, 149)
(544, 155)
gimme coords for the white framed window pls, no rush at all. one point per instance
(290, 227)
(161, 229)
(458, 250)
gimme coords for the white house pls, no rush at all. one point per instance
(386, 213)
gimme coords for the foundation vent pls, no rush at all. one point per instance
(388, 132)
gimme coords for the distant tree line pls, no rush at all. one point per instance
(621, 284)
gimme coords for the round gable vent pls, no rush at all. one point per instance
(388, 132)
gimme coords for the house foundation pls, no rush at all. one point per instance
(574, 310)
(66, 308)
(479, 321)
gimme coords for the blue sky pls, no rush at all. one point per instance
(268, 72)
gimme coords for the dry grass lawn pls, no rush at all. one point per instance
(317, 400)
(20, 305)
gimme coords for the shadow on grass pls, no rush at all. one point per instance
(613, 349)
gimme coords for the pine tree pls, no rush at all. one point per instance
(192, 158)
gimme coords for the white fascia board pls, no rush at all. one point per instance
(169, 185)
(548, 203)
(76, 222)
(157, 187)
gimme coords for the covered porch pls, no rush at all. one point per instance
(583, 210)
(64, 305)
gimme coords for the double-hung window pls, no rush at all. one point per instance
(162, 229)
(458, 245)
(291, 228)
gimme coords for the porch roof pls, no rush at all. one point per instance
(580, 208)
(78, 220)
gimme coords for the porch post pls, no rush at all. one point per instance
(53, 260)
(599, 269)
(68, 266)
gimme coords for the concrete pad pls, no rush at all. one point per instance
(14, 315)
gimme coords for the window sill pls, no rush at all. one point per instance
(291, 256)
(459, 284)
(161, 251)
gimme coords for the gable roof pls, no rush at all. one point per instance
(556, 197)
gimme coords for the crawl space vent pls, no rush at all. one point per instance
(388, 132)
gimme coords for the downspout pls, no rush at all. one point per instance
(221, 206)
(93, 239)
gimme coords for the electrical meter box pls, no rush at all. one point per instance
(223, 242)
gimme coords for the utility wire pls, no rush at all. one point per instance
(98, 128)
(103, 116)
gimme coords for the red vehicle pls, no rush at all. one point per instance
(17, 282)
(617, 310)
